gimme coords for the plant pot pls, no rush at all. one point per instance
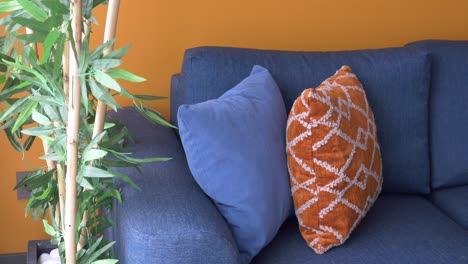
(36, 248)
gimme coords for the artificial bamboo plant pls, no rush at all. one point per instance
(56, 90)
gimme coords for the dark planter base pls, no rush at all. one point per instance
(36, 248)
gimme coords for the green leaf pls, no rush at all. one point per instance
(95, 141)
(40, 118)
(16, 107)
(12, 27)
(100, 49)
(30, 57)
(84, 55)
(32, 24)
(102, 94)
(24, 115)
(145, 160)
(87, 8)
(58, 58)
(6, 57)
(101, 251)
(105, 261)
(56, 7)
(125, 75)
(37, 37)
(28, 143)
(26, 78)
(85, 184)
(46, 193)
(107, 81)
(104, 64)
(84, 94)
(116, 138)
(93, 154)
(118, 53)
(93, 172)
(33, 10)
(5, 20)
(91, 249)
(119, 163)
(59, 143)
(49, 229)
(49, 43)
(10, 84)
(153, 117)
(149, 97)
(40, 131)
(8, 6)
(8, 44)
(104, 222)
(98, 2)
(125, 157)
(27, 69)
(13, 140)
(52, 157)
(22, 85)
(47, 100)
(126, 179)
(106, 126)
(35, 179)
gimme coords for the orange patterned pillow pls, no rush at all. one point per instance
(333, 159)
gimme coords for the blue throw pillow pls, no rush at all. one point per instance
(235, 148)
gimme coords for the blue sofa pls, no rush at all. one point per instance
(419, 95)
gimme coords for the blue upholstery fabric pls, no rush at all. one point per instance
(235, 147)
(448, 111)
(396, 82)
(454, 202)
(176, 97)
(400, 229)
(171, 220)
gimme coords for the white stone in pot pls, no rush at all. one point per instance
(55, 253)
(52, 258)
(43, 258)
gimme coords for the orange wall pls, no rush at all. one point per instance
(160, 31)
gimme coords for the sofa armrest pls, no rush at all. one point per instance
(170, 220)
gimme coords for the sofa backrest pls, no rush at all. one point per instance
(396, 81)
(448, 112)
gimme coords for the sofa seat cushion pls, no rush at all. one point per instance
(453, 202)
(398, 229)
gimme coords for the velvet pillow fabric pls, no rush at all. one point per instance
(334, 159)
(235, 148)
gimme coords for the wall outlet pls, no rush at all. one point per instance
(21, 192)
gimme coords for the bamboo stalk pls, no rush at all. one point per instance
(111, 29)
(61, 192)
(74, 105)
(60, 168)
(83, 238)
